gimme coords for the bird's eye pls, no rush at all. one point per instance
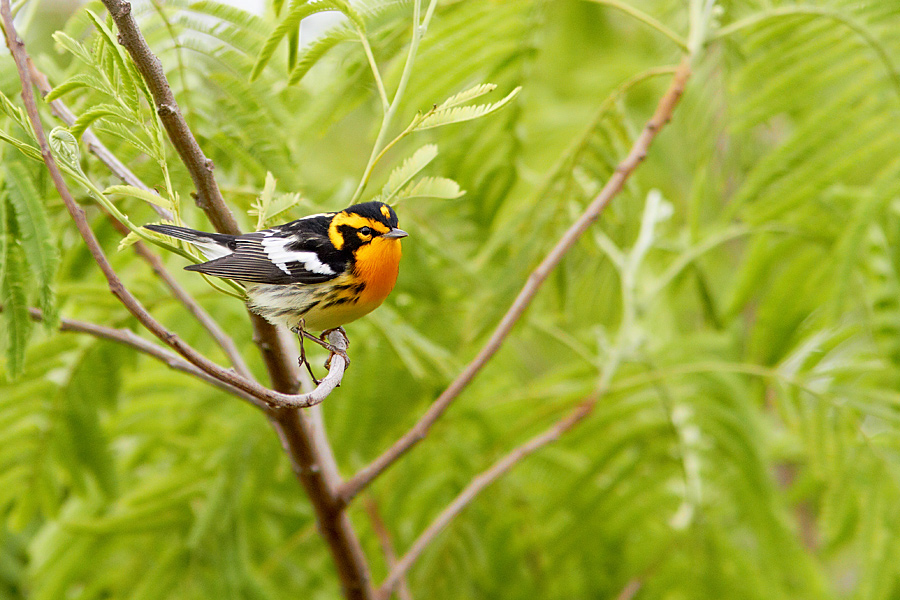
(365, 231)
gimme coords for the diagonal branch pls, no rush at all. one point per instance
(387, 546)
(209, 198)
(62, 111)
(129, 338)
(479, 483)
(96, 147)
(17, 49)
(204, 318)
(613, 186)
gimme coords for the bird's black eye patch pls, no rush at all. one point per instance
(365, 231)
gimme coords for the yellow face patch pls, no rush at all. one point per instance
(354, 221)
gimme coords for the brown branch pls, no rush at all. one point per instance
(204, 318)
(613, 186)
(62, 111)
(17, 48)
(630, 590)
(481, 481)
(95, 146)
(209, 198)
(131, 339)
(387, 545)
(302, 436)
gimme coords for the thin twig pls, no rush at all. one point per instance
(17, 48)
(62, 111)
(387, 545)
(481, 481)
(209, 198)
(204, 318)
(95, 146)
(637, 154)
(630, 590)
(131, 339)
(646, 19)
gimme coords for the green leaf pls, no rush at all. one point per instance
(318, 49)
(458, 114)
(15, 311)
(76, 48)
(288, 26)
(118, 54)
(145, 195)
(77, 81)
(100, 111)
(345, 7)
(34, 229)
(407, 170)
(261, 205)
(467, 96)
(431, 187)
(94, 384)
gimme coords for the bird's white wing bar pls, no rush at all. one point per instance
(276, 252)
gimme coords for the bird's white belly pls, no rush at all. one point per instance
(317, 306)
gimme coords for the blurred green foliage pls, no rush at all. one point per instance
(741, 297)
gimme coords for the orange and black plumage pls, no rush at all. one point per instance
(316, 273)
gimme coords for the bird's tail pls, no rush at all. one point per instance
(212, 245)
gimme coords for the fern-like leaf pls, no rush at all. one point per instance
(458, 114)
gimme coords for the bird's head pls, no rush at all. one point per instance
(367, 224)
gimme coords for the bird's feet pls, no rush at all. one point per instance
(303, 361)
(302, 333)
(331, 348)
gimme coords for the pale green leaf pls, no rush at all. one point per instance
(15, 311)
(467, 96)
(118, 54)
(407, 170)
(263, 201)
(317, 49)
(77, 81)
(75, 47)
(145, 195)
(101, 111)
(34, 230)
(459, 114)
(431, 187)
(290, 24)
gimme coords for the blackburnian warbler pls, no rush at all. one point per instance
(313, 274)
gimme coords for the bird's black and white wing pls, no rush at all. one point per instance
(298, 252)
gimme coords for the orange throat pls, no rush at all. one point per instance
(377, 265)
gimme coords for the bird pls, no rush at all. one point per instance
(317, 273)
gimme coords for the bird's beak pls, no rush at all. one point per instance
(395, 234)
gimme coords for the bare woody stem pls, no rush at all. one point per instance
(479, 483)
(199, 166)
(613, 186)
(387, 546)
(17, 49)
(129, 338)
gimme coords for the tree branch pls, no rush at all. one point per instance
(481, 481)
(613, 186)
(387, 546)
(95, 146)
(17, 49)
(129, 338)
(209, 198)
